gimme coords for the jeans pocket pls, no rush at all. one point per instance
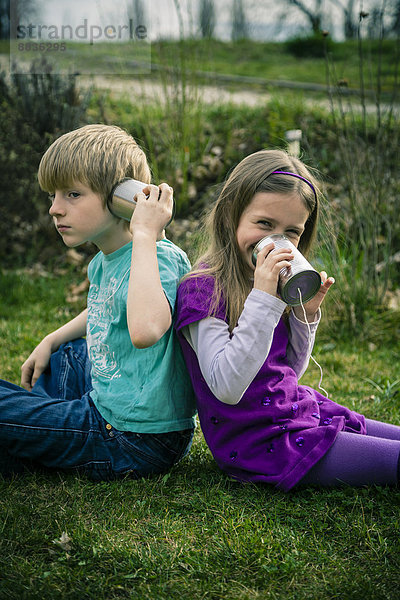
(96, 470)
(156, 452)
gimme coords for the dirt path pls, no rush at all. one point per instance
(152, 89)
(210, 94)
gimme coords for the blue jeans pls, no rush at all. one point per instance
(57, 426)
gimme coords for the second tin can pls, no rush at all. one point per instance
(300, 275)
(122, 203)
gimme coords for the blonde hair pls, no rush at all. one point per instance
(221, 257)
(98, 156)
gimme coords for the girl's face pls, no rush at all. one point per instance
(270, 213)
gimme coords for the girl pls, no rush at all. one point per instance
(245, 351)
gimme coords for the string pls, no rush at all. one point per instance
(117, 288)
(309, 345)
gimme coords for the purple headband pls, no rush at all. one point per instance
(298, 177)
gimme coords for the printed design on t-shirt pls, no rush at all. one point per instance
(102, 311)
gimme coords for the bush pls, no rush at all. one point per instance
(34, 110)
(313, 46)
(362, 159)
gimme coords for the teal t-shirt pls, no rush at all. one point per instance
(141, 390)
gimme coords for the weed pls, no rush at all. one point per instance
(362, 230)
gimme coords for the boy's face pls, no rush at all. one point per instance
(80, 215)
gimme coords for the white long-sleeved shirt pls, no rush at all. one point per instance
(229, 362)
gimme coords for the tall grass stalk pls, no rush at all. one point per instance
(362, 226)
(176, 105)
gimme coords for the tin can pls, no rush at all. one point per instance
(121, 201)
(300, 275)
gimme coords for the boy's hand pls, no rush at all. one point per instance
(311, 307)
(36, 364)
(148, 320)
(153, 211)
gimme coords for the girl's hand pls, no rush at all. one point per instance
(269, 263)
(311, 307)
(153, 211)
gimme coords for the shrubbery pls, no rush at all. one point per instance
(34, 110)
(313, 46)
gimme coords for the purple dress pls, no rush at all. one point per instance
(279, 429)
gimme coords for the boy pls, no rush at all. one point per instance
(120, 402)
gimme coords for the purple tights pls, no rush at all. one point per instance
(358, 460)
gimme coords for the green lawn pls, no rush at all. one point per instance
(264, 60)
(273, 61)
(194, 534)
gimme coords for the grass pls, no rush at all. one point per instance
(246, 58)
(273, 61)
(193, 533)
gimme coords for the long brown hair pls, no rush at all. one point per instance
(221, 257)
